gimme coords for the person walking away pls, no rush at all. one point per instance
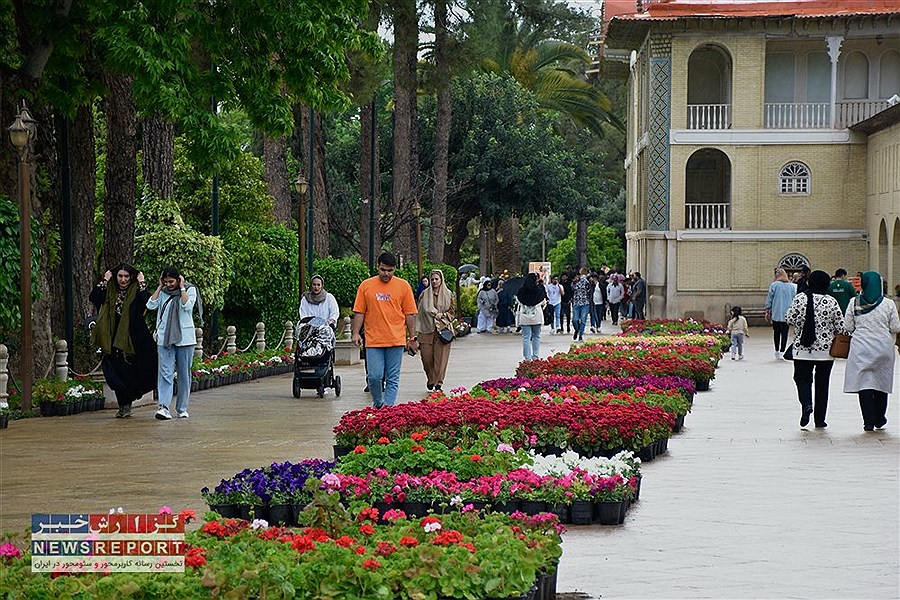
(639, 296)
(874, 323)
(614, 295)
(532, 297)
(423, 283)
(802, 279)
(816, 318)
(565, 307)
(505, 302)
(487, 307)
(596, 298)
(600, 299)
(319, 303)
(581, 303)
(781, 294)
(738, 329)
(554, 297)
(120, 332)
(841, 290)
(435, 314)
(386, 307)
(174, 301)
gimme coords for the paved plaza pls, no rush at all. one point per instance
(744, 505)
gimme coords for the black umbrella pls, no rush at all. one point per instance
(467, 268)
(513, 284)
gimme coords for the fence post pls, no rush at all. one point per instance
(4, 375)
(288, 335)
(231, 339)
(260, 337)
(198, 349)
(348, 331)
(62, 360)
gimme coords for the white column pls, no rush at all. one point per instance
(834, 51)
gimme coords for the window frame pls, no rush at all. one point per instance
(795, 179)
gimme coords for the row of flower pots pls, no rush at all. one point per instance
(63, 408)
(214, 380)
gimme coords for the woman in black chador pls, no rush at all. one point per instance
(129, 352)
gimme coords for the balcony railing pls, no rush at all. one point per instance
(709, 116)
(851, 112)
(788, 115)
(706, 216)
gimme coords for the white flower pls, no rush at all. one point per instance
(456, 500)
(259, 524)
(433, 526)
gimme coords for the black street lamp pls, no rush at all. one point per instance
(417, 212)
(21, 132)
(301, 185)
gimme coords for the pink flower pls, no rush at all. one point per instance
(9, 551)
(165, 510)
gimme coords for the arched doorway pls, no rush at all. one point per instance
(709, 88)
(707, 193)
(894, 276)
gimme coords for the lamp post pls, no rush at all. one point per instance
(417, 212)
(301, 185)
(21, 132)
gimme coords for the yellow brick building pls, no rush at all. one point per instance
(760, 135)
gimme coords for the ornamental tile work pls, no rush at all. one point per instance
(658, 176)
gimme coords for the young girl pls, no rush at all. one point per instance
(738, 329)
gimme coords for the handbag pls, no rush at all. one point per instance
(840, 346)
(788, 353)
(445, 335)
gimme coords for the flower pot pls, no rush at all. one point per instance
(254, 511)
(382, 507)
(582, 512)
(562, 512)
(679, 424)
(228, 511)
(476, 504)
(637, 489)
(415, 509)
(547, 450)
(280, 514)
(610, 452)
(48, 409)
(626, 504)
(4, 421)
(547, 588)
(340, 451)
(296, 509)
(648, 452)
(506, 506)
(533, 507)
(702, 385)
(608, 511)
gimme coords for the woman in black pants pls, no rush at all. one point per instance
(565, 308)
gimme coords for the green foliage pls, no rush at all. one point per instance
(10, 317)
(410, 272)
(164, 240)
(342, 277)
(468, 305)
(603, 246)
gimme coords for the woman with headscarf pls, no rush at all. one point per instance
(532, 297)
(505, 304)
(874, 324)
(319, 303)
(781, 294)
(816, 317)
(121, 333)
(487, 307)
(435, 313)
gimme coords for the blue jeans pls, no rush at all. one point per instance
(384, 363)
(172, 359)
(531, 341)
(557, 317)
(579, 317)
(737, 344)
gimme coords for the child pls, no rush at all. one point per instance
(738, 329)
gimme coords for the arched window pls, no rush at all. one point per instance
(793, 262)
(856, 76)
(889, 83)
(794, 179)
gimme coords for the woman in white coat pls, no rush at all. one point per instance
(874, 323)
(319, 303)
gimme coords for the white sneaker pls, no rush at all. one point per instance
(741, 357)
(183, 414)
(163, 413)
(778, 355)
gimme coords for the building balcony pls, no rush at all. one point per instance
(709, 116)
(707, 216)
(817, 115)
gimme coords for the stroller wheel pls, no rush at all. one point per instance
(295, 388)
(337, 385)
(320, 391)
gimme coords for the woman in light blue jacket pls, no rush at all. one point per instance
(174, 301)
(781, 294)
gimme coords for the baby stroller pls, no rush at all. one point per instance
(314, 358)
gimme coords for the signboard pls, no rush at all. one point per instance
(542, 269)
(116, 542)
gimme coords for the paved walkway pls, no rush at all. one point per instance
(745, 504)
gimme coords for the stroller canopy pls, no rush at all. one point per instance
(315, 337)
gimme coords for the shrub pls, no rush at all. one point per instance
(468, 304)
(10, 319)
(410, 272)
(342, 277)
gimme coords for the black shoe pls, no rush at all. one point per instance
(804, 419)
(575, 336)
(868, 428)
(429, 386)
(366, 390)
(437, 388)
(821, 425)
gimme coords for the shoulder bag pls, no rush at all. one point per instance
(840, 346)
(445, 335)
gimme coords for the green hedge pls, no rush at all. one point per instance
(342, 277)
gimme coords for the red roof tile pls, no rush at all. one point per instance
(673, 9)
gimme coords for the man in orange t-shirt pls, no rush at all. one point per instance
(386, 306)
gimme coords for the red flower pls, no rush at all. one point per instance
(214, 528)
(371, 563)
(409, 542)
(468, 546)
(366, 529)
(360, 550)
(475, 458)
(194, 557)
(345, 540)
(417, 448)
(187, 515)
(447, 538)
(418, 436)
(385, 549)
(359, 450)
(317, 534)
(303, 543)
(383, 440)
(368, 514)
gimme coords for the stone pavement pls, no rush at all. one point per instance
(744, 505)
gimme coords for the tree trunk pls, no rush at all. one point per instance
(83, 168)
(366, 148)
(120, 185)
(441, 135)
(406, 31)
(581, 243)
(317, 181)
(459, 231)
(278, 179)
(484, 247)
(158, 158)
(507, 253)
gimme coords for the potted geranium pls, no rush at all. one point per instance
(4, 417)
